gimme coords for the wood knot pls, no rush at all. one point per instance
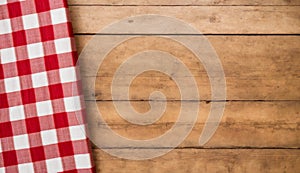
(214, 19)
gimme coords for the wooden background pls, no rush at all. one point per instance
(258, 43)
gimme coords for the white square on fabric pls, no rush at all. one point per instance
(16, 113)
(77, 132)
(2, 170)
(21, 142)
(8, 55)
(39, 79)
(54, 165)
(2, 2)
(5, 26)
(30, 21)
(82, 161)
(12, 84)
(25, 168)
(72, 104)
(49, 137)
(63, 45)
(35, 50)
(58, 16)
(44, 108)
(0, 146)
(67, 75)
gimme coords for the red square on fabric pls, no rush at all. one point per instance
(10, 70)
(70, 29)
(61, 120)
(28, 96)
(35, 140)
(45, 19)
(37, 154)
(18, 127)
(6, 130)
(10, 158)
(51, 151)
(8, 41)
(24, 67)
(47, 122)
(37, 65)
(21, 53)
(30, 110)
(58, 4)
(65, 149)
(14, 98)
(67, 59)
(42, 94)
(82, 146)
(56, 91)
(47, 33)
(33, 36)
(49, 48)
(19, 38)
(4, 101)
(16, 24)
(75, 57)
(23, 156)
(71, 171)
(14, 9)
(26, 82)
(42, 6)
(4, 118)
(4, 14)
(2, 87)
(51, 62)
(40, 166)
(62, 30)
(58, 105)
(33, 125)
(1, 72)
(25, 4)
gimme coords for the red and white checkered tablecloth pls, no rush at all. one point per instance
(39, 107)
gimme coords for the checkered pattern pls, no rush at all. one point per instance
(40, 108)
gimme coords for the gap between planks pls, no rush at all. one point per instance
(176, 5)
(141, 34)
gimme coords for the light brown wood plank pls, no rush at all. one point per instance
(244, 124)
(255, 88)
(206, 160)
(184, 2)
(207, 19)
(255, 67)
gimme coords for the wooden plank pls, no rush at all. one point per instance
(207, 19)
(205, 160)
(237, 88)
(256, 67)
(183, 2)
(244, 124)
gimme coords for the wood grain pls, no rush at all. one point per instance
(206, 160)
(244, 124)
(256, 67)
(258, 45)
(208, 19)
(184, 2)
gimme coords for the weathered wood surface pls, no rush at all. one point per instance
(207, 19)
(184, 2)
(261, 66)
(244, 124)
(256, 67)
(206, 160)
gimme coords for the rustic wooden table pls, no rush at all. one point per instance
(258, 44)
